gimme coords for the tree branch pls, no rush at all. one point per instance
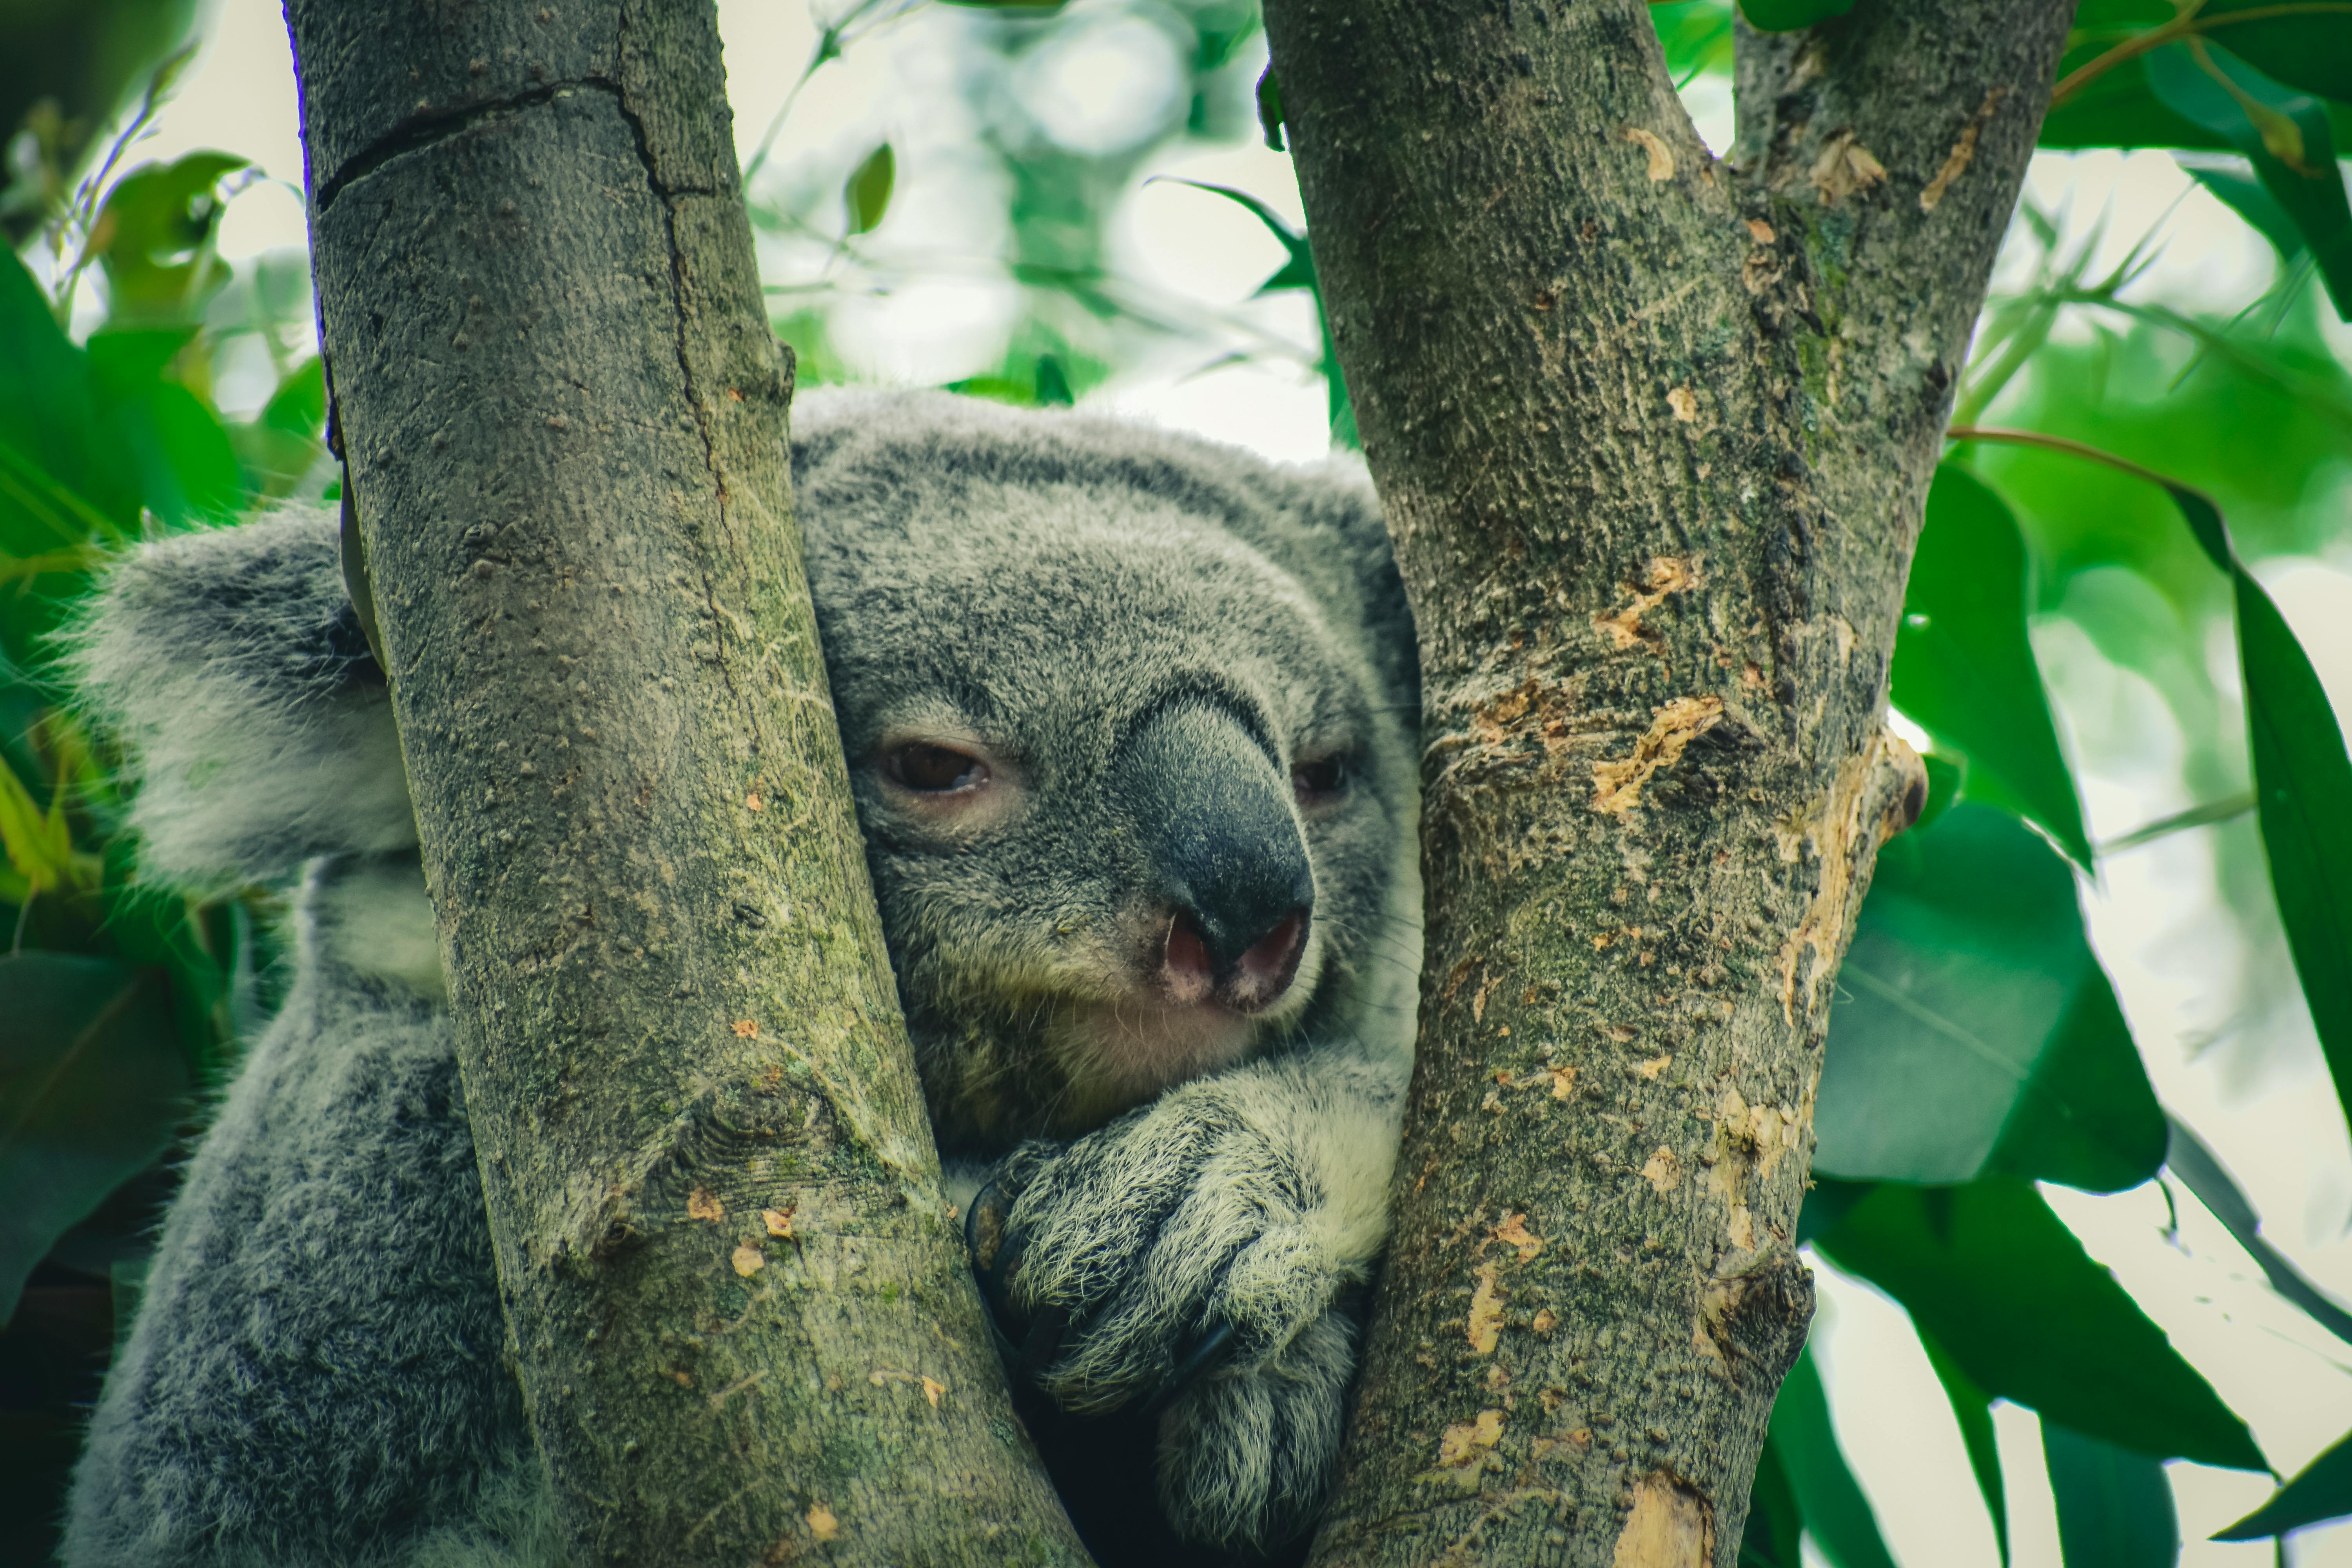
(1653, 435)
(742, 1318)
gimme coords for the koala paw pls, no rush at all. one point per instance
(1180, 1242)
(1246, 1456)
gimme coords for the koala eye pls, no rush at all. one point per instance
(1323, 779)
(926, 768)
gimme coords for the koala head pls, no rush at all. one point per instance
(1128, 723)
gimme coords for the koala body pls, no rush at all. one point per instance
(1128, 721)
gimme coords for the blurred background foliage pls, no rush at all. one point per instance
(2135, 460)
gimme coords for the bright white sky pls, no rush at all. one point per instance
(2269, 1113)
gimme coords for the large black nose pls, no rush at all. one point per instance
(1226, 860)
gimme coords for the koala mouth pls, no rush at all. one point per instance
(1189, 1004)
(1196, 969)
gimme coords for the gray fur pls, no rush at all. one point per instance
(316, 1374)
(232, 664)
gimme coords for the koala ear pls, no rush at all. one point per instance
(235, 672)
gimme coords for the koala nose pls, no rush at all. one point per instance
(1227, 861)
(1246, 978)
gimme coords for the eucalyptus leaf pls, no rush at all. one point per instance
(1975, 1032)
(2307, 46)
(2114, 1507)
(49, 424)
(2302, 777)
(2011, 1296)
(158, 225)
(2283, 133)
(866, 192)
(187, 465)
(2117, 108)
(2303, 790)
(92, 1083)
(2203, 1173)
(1297, 271)
(1972, 1408)
(299, 405)
(1269, 111)
(2232, 183)
(2322, 1489)
(1964, 669)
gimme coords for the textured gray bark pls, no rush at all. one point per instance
(744, 1322)
(1653, 433)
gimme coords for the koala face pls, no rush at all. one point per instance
(1133, 787)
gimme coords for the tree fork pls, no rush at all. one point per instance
(740, 1312)
(1653, 433)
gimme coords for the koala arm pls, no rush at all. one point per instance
(316, 1374)
(1204, 1249)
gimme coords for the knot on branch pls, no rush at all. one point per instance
(1755, 1318)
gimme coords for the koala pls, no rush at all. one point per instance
(1128, 719)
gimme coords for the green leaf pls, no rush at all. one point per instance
(299, 406)
(1972, 1408)
(2309, 48)
(1963, 666)
(2188, 1158)
(2118, 109)
(2115, 1507)
(1300, 259)
(1827, 1199)
(1976, 1033)
(155, 238)
(1836, 1514)
(2302, 781)
(2321, 1489)
(1052, 387)
(1772, 1537)
(92, 1083)
(866, 194)
(2247, 196)
(187, 464)
(1269, 111)
(1695, 36)
(125, 362)
(2283, 133)
(1788, 15)
(49, 424)
(2009, 1294)
(1297, 271)
(2303, 790)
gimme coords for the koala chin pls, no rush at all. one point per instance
(1128, 719)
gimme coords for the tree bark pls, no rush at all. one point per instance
(1653, 433)
(741, 1313)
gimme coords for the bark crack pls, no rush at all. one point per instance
(695, 401)
(421, 131)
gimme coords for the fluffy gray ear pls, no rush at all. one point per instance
(232, 667)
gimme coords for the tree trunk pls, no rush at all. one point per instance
(1653, 433)
(742, 1316)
